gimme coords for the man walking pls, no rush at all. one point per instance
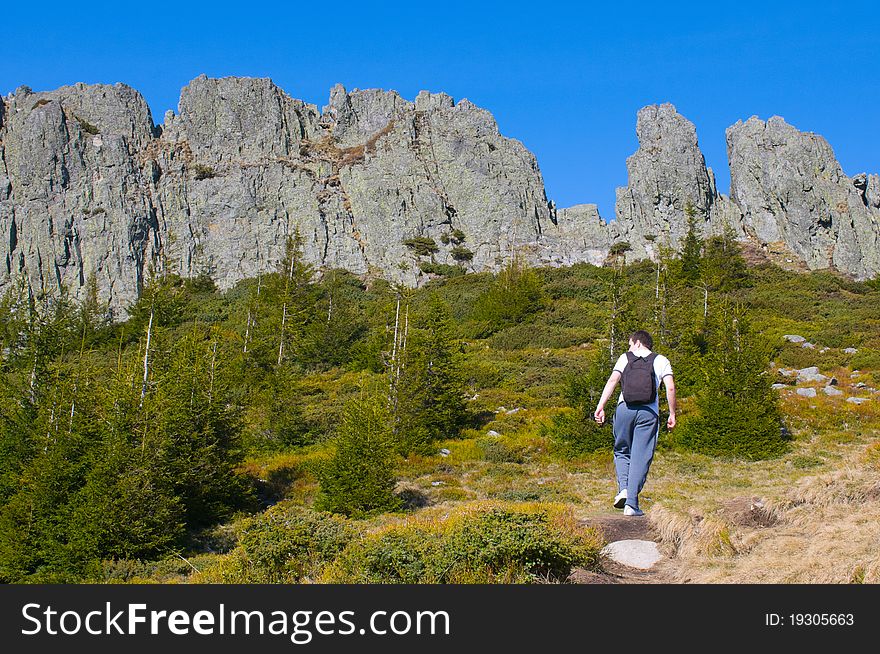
(637, 416)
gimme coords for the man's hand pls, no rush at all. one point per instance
(599, 415)
(670, 422)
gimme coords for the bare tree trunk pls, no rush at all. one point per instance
(393, 366)
(284, 308)
(281, 342)
(213, 367)
(147, 358)
(250, 319)
(402, 353)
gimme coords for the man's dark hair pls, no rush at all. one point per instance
(644, 337)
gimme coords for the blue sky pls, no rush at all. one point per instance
(566, 79)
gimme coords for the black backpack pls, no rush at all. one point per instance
(637, 379)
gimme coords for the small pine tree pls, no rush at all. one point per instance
(576, 432)
(359, 479)
(722, 267)
(738, 411)
(689, 263)
(429, 391)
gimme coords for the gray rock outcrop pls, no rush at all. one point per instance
(792, 191)
(667, 175)
(75, 199)
(89, 186)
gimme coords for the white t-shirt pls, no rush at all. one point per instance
(662, 367)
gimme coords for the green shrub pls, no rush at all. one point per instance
(442, 269)
(359, 479)
(514, 295)
(537, 334)
(496, 451)
(422, 246)
(201, 171)
(461, 253)
(866, 360)
(489, 543)
(575, 433)
(285, 544)
(87, 127)
(621, 247)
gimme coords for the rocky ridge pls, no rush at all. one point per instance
(90, 186)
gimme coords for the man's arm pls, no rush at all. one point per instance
(669, 382)
(599, 414)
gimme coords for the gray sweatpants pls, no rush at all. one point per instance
(636, 428)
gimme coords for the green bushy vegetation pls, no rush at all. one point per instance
(359, 478)
(285, 544)
(575, 432)
(490, 544)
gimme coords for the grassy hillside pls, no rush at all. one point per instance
(212, 452)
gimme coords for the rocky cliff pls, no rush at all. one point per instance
(792, 191)
(90, 186)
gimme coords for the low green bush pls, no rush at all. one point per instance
(285, 544)
(492, 543)
(495, 450)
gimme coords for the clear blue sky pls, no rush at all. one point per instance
(566, 80)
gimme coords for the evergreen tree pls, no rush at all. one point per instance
(738, 411)
(427, 390)
(282, 307)
(689, 264)
(622, 314)
(188, 418)
(576, 432)
(359, 479)
(722, 267)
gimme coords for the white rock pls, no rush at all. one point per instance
(794, 338)
(808, 345)
(830, 390)
(807, 392)
(850, 350)
(779, 386)
(492, 432)
(444, 452)
(858, 400)
(641, 554)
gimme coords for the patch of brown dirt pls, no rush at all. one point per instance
(747, 512)
(620, 527)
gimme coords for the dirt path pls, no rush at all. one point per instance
(616, 527)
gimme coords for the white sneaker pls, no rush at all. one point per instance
(620, 499)
(628, 510)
